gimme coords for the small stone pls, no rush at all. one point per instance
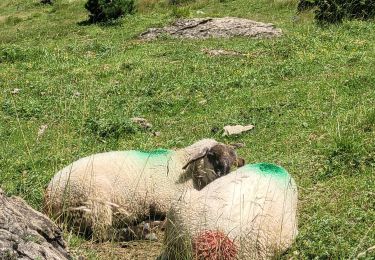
(221, 52)
(15, 91)
(42, 130)
(215, 129)
(142, 122)
(304, 124)
(236, 129)
(24, 174)
(238, 145)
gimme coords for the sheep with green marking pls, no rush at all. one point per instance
(248, 214)
(105, 193)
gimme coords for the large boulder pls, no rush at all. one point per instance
(202, 28)
(28, 234)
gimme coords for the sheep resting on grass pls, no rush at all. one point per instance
(248, 214)
(106, 194)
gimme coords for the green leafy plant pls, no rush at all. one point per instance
(46, 2)
(110, 127)
(104, 10)
(180, 12)
(306, 4)
(179, 2)
(335, 11)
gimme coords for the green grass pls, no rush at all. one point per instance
(310, 94)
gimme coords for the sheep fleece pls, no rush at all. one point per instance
(111, 188)
(255, 206)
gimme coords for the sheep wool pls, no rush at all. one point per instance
(247, 214)
(115, 189)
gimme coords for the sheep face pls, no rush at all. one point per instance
(222, 158)
(213, 163)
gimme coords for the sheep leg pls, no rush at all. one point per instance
(158, 224)
(93, 218)
(129, 226)
(101, 218)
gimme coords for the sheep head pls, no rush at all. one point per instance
(222, 158)
(212, 163)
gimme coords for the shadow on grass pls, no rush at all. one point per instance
(109, 23)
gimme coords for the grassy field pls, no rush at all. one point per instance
(310, 95)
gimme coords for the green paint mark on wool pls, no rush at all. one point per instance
(154, 153)
(268, 169)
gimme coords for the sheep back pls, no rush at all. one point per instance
(254, 208)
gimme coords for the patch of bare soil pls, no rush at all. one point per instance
(221, 52)
(137, 250)
(202, 28)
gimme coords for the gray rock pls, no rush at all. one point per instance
(214, 28)
(26, 233)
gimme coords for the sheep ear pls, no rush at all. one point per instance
(198, 156)
(240, 162)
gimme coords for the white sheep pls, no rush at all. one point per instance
(247, 214)
(109, 191)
